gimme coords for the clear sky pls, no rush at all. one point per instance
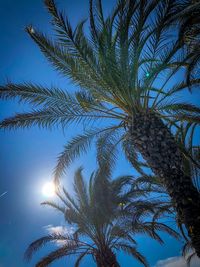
(27, 157)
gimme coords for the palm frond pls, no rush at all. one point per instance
(133, 252)
(56, 255)
(132, 155)
(80, 189)
(179, 108)
(78, 145)
(45, 118)
(39, 243)
(107, 148)
(37, 94)
(54, 205)
(158, 226)
(75, 41)
(67, 64)
(80, 257)
(118, 232)
(120, 182)
(48, 117)
(187, 117)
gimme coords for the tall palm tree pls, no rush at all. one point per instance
(130, 68)
(106, 215)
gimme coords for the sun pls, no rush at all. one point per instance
(48, 189)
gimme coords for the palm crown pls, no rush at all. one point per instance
(106, 215)
(123, 67)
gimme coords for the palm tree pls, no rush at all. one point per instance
(106, 214)
(130, 68)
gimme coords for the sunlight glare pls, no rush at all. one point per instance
(48, 189)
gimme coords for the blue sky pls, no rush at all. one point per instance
(27, 157)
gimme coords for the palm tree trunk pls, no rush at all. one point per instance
(151, 137)
(106, 258)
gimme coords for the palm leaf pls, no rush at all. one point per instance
(47, 118)
(78, 145)
(80, 189)
(56, 255)
(80, 257)
(134, 253)
(39, 243)
(54, 205)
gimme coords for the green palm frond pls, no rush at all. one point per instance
(149, 183)
(141, 209)
(133, 252)
(80, 257)
(164, 209)
(54, 205)
(133, 156)
(74, 67)
(75, 41)
(179, 108)
(107, 143)
(48, 117)
(55, 255)
(187, 117)
(37, 94)
(119, 232)
(73, 149)
(43, 118)
(120, 182)
(70, 200)
(80, 188)
(39, 243)
(78, 145)
(148, 229)
(158, 226)
(177, 88)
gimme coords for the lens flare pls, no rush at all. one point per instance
(48, 189)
